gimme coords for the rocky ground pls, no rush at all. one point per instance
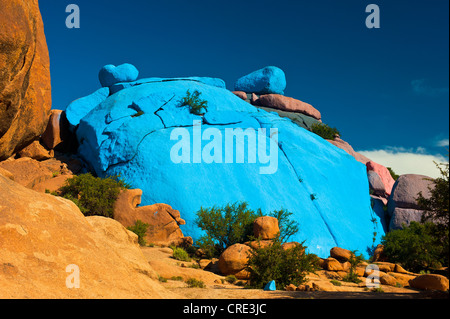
(167, 267)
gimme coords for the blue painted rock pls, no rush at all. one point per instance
(78, 109)
(269, 80)
(271, 286)
(205, 80)
(235, 152)
(110, 74)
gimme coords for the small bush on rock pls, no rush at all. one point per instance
(93, 195)
(181, 254)
(225, 226)
(354, 261)
(284, 266)
(195, 104)
(233, 224)
(325, 131)
(139, 228)
(393, 174)
(195, 283)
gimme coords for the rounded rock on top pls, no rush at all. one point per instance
(110, 74)
(268, 80)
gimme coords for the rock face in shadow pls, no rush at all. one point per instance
(25, 88)
(43, 236)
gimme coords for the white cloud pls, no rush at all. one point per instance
(407, 161)
(442, 143)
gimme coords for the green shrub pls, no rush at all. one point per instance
(336, 282)
(414, 247)
(284, 266)
(176, 278)
(225, 226)
(195, 104)
(436, 208)
(181, 254)
(93, 195)
(233, 223)
(288, 227)
(162, 279)
(325, 131)
(231, 279)
(354, 261)
(195, 283)
(393, 174)
(139, 228)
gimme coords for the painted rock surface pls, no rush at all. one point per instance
(235, 152)
(268, 80)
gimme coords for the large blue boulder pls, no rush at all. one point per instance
(79, 108)
(205, 80)
(146, 135)
(268, 80)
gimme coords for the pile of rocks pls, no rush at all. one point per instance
(264, 88)
(234, 259)
(337, 266)
(402, 206)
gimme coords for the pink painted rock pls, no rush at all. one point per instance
(384, 174)
(241, 94)
(349, 149)
(254, 99)
(288, 104)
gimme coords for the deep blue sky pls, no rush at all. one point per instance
(381, 88)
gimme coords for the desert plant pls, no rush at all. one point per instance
(233, 223)
(140, 229)
(288, 227)
(181, 254)
(393, 174)
(195, 283)
(436, 208)
(414, 247)
(93, 195)
(336, 282)
(195, 104)
(231, 279)
(225, 226)
(162, 279)
(325, 131)
(284, 266)
(354, 261)
(176, 278)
